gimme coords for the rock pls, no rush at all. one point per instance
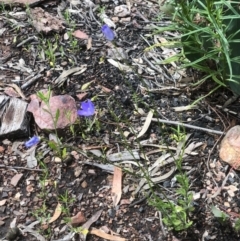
(230, 147)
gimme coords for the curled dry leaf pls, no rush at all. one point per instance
(230, 147)
(56, 214)
(146, 124)
(117, 186)
(66, 106)
(104, 235)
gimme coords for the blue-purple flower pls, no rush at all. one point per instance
(87, 108)
(32, 142)
(107, 32)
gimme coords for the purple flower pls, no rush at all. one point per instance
(107, 32)
(33, 141)
(88, 108)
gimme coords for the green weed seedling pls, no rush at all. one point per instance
(50, 52)
(220, 215)
(66, 202)
(237, 225)
(46, 99)
(41, 213)
(176, 212)
(178, 136)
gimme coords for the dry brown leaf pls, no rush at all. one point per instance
(64, 103)
(104, 235)
(80, 34)
(230, 147)
(146, 124)
(117, 186)
(78, 219)
(57, 213)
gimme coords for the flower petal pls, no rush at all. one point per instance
(88, 108)
(33, 141)
(107, 32)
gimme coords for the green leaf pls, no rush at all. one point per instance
(218, 213)
(57, 116)
(64, 152)
(53, 145)
(86, 85)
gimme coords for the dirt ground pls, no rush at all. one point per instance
(40, 40)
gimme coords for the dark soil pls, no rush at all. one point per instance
(117, 95)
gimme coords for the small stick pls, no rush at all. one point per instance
(27, 40)
(31, 81)
(186, 125)
(23, 168)
(161, 224)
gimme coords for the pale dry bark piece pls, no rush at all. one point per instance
(45, 22)
(13, 119)
(230, 147)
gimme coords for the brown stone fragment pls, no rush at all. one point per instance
(78, 219)
(16, 179)
(230, 147)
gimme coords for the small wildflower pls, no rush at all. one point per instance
(87, 108)
(107, 32)
(32, 142)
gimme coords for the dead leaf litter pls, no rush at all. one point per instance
(97, 190)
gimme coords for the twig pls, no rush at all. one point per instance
(140, 200)
(23, 168)
(161, 224)
(155, 68)
(31, 81)
(186, 125)
(220, 188)
(27, 40)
